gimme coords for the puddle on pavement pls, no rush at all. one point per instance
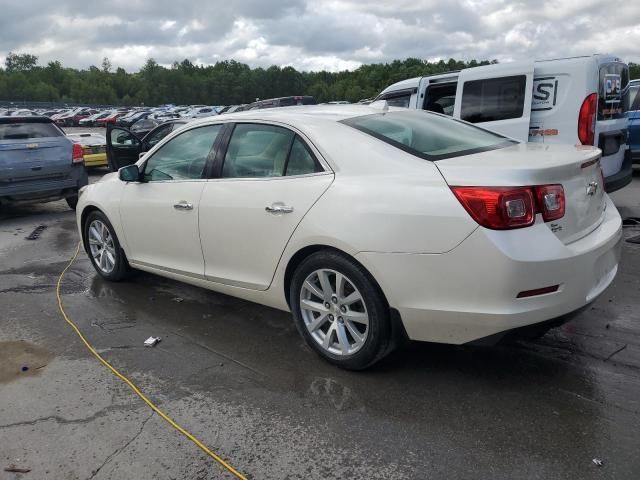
(20, 359)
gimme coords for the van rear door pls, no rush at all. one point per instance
(497, 97)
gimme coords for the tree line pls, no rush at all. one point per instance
(224, 83)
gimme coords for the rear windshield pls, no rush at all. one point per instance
(18, 131)
(614, 78)
(427, 135)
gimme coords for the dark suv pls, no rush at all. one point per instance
(38, 163)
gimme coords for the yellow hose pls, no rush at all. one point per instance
(131, 385)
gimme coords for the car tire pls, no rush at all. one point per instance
(72, 202)
(104, 249)
(350, 334)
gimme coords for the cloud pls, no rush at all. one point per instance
(319, 34)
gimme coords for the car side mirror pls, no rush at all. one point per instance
(130, 173)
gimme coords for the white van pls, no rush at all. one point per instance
(575, 100)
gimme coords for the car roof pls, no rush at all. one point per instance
(28, 119)
(299, 115)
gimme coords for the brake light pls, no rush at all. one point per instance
(550, 201)
(77, 155)
(587, 120)
(498, 208)
(505, 208)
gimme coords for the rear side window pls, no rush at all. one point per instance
(428, 136)
(23, 131)
(614, 78)
(493, 99)
(257, 151)
(301, 161)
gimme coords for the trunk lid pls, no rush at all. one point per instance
(576, 168)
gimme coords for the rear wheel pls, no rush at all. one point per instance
(340, 311)
(104, 248)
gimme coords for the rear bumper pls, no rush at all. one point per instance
(470, 292)
(96, 160)
(45, 190)
(623, 177)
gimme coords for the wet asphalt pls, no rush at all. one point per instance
(238, 376)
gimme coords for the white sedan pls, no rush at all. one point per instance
(368, 224)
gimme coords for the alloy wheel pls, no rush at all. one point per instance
(334, 312)
(102, 246)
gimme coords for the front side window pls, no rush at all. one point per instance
(123, 138)
(257, 150)
(183, 157)
(493, 99)
(155, 137)
(428, 136)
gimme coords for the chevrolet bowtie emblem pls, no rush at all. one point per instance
(592, 188)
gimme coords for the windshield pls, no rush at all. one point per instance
(427, 135)
(23, 131)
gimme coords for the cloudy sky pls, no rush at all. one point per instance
(315, 34)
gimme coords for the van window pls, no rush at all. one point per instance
(440, 98)
(633, 99)
(493, 99)
(614, 78)
(402, 101)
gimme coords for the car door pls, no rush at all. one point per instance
(159, 214)
(496, 97)
(268, 177)
(123, 147)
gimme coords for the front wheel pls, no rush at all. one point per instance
(340, 311)
(104, 248)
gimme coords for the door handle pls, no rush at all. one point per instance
(279, 208)
(183, 205)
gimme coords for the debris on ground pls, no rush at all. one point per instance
(598, 462)
(177, 299)
(631, 222)
(36, 232)
(25, 368)
(14, 469)
(635, 239)
(151, 341)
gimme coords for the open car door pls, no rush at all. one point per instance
(497, 97)
(123, 147)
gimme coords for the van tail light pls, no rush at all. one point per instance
(587, 120)
(506, 208)
(77, 155)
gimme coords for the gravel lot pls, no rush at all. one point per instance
(239, 377)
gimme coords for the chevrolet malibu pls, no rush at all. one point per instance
(370, 224)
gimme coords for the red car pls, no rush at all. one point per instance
(72, 118)
(102, 122)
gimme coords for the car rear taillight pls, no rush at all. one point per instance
(587, 120)
(498, 208)
(550, 201)
(505, 208)
(77, 155)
